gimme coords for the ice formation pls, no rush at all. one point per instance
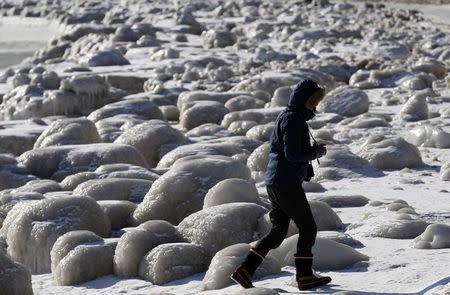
(189, 97)
(142, 108)
(416, 108)
(137, 242)
(118, 212)
(261, 132)
(435, 236)
(60, 161)
(429, 136)
(281, 97)
(257, 162)
(345, 101)
(18, 136)
(445, 171)
(152, 139)
(256, 291)
(70, 253)
(241, 127)
(220, 226)
(390, 153)
(227, 260)
(68, 131)
(104, 58)
(328, 254)
(172, 261)
(229, 191)
(31, 229)
(15, 279)
(261, 116)
(38, 186)
(218, 38)
(127, 189)
(244, 102)
(345, 201)
(111, 128)
(181, 191)
(197, 113)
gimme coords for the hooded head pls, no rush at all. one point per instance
(300, 95)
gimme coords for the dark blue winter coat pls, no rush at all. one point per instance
(290, 147)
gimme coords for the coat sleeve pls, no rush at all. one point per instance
(293, 134)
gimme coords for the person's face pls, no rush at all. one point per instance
(314, 99)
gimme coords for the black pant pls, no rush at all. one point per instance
(289, 203)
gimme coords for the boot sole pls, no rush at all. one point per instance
(314, 284)
(241, 280)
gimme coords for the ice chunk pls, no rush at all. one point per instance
(68, 131)
(127, 189)
(257, 162)
(229, 191)
(118, 212)
(328, 254)
(142, 108)
(31, 229)
(241, 127)
(137, 242)
(225, 262)
(429, 136)
(181, 191)
(261, 132)
(60, 161)
(111, 128)
(345, 201)
(208, 129)
(390, 153)
(172, 261)
(151, 138)
(72, 251)
(39, 186)
(445, 171)
(244, 102)
(416, 108)
(108, 57)
(19, 136)
(218, 38)
(339, 237)
(261, 116)
(220, 226)
(197, 113)
(345, 101)
(435, 236)
(15, 279)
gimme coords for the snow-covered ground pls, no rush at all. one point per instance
(402, 90)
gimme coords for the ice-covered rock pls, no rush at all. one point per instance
(218, 38)
(388, 225)
(431, 66)
(143, 108)
(60, 161)
(416, 108)
(181, 191)
(328, 254)
(261, 116)
(341, 238)
(340, 162)
(70, 253)
(210, 130)
(125, 171)
(9, 199)
(225, 262)
(429, 136)
(118, 212)
(137, 242)
(244, 102)
(390, 153)
(223, 225)
(435, 236)
(19, 136)
(31, 229)
(229, 191)
(189, 97)
(15, 279)
(257, 161)
(241, 127)
(111, 128)
(38, 186)
(345, 201)
(131, 84)
(281, 97)
(261, 132)
(445, 171)
(172, 261)
(345, 101)
(67, 132)
(126, 189)
(201, 112)
(153, 139)
(107, 57)
(256, 291)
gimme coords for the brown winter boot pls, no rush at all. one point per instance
(244, 273)
(305, 277)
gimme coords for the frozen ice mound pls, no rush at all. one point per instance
(220, 226)
(139, 108)
(416, 107)
(172, 261)
(435, 236)
(341, 238)
(137, 242)
(181, 191)
(58, 162)
(325, 217)
(31, 229)
(366, 120)
(345, 101)
(126, 189)
(256, 291)
(218, 38)
(225, 148)
(153, 139)
(340, 162)
(244, 102)
(328, 254)
(209, 130)
(345, 201)
(261, 132)
(118, 212)
(197, 113)
(9, 199)
(67, 132)
(111, 128)
(15, 279)
(388, 225)
(241, 127)
(107, 57)
(80, 256)
(190, 97)
(431, 66)
(257, 161)
(445, 171)
(11, 179)
(19, 136)
(390, 153)
(260, 116)
(229, 191)
(429, 136)
(38, 186)
(225, 262)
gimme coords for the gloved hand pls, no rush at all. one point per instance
(320, 149)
